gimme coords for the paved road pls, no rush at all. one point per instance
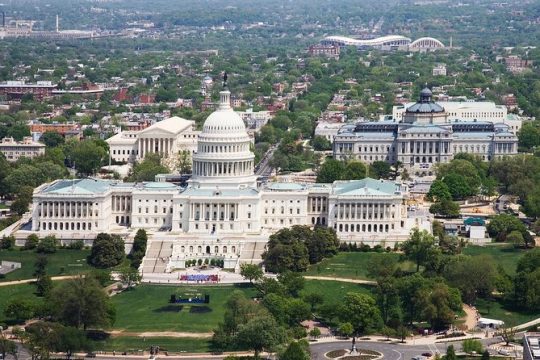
(390, 351)
(264, 168)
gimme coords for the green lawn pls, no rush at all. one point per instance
(333, 291)
(14, 292)
(505, 255)
(496, 310)
(63, 262)
(128, 343)
(354, 265)
(147, 308)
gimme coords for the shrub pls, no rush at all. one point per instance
(47, 245)
(76, 245)
(315, 332)
(472, 345)
(7, 242)
(31, 242)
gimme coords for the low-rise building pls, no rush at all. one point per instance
(15, 90)
(38, 128)
(330, 51)
(14, 150)
(328, 130)
(439, 70)
(531, 346)
(255, 119)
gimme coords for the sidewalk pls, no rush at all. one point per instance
(26, 281)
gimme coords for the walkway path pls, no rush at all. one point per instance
(471, 316)
(347, 280)
(26, 281)
(150, 334)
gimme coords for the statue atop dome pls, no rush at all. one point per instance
(225, 77)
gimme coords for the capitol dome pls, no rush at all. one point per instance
(224, 120)
(224, 157)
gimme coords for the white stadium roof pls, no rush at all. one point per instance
(383, 40)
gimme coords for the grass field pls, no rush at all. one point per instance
(14, 292)
(128, 343)
(147, 308)
(505, 255)
(333, 291)
(496, 310)
(63, 262)
(354, 265)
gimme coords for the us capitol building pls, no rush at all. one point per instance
(223, 213)
(423, 138)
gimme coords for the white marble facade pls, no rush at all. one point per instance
(223, 208)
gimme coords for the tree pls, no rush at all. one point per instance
(438, 191)
(501, 225)
(107, 251)
(445, 208)
(47, 245)
(139, 248)
(330, 171)
(147, 169)
(44, 285)
(418, 247)
(81, 302)
(346, 329)
(472, 345)
(129, 276)
(287, 251)
(402, 332)
(450, 353)
(320, 143)
(7, 347)
(261, 333)
(292, 282)
(473, 276)
(361, 310)
(315, 332)
(251, 272)
(52, 139)
(380, 170)
(184, 162)
(508, 334)
(516, 238)
(7, 242)
(439, 304)
(87, 156)
(354, 170)
(31, 242)
(322, 243)
(19, 206)
(485, 355)
(297, 350)
(19, 309)
(314, 299)
(382, 266)
(458, 186)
